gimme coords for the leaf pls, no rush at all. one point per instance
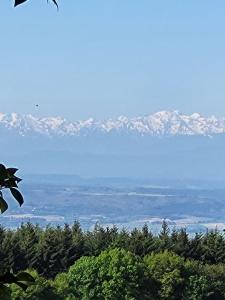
(4, 291)
(12, 171)
(3, 205)
(10, 183)
(2, 167)
(7, 278)
(3, 172)
(17, 179)
(25, 277)
(17, 195)
(23, 280)
(54, 1)
(18, 2)
(22, 285)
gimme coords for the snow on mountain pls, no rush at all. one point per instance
(169, 123)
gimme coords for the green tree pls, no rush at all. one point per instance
(99, 239)
(198, 288)
(121, 240)
(14, 256)
(213, 247)
(50, 252)
(180, 242)
(62, 288)
(164, 236)
(114, 275)
(28, 235)
(215, 275)
(195, 246)
(141, 242)
(78, 241)
(2, 250)
(169, 270)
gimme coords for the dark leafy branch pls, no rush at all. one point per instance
(23, 280)
(18, 2)
(8, 180)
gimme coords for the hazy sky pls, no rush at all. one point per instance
(111, 57)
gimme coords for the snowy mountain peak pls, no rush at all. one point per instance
(161, 123)
(195, 116)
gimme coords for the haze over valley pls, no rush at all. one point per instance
(165, 145)
(166, 165)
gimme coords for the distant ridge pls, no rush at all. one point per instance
(162, 123)
(164, 145)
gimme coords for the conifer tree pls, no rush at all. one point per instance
(150, 242)
(213, 246)
(96, 241)
(13, 254)
(181, 244)
(78, 241)
(164, 236)
(2, 251)
(51, 248)
(122, 240)
(28, 234)
(195, 247)
(68, 255)
(142, 241)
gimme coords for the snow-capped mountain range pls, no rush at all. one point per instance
(169, 123)
(167, 144)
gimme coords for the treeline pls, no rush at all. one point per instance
(54, 249)
(110, 264)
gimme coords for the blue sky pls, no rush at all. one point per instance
(106, 58)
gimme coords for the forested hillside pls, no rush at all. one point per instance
(106, 263)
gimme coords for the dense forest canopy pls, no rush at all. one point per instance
(106, 263)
